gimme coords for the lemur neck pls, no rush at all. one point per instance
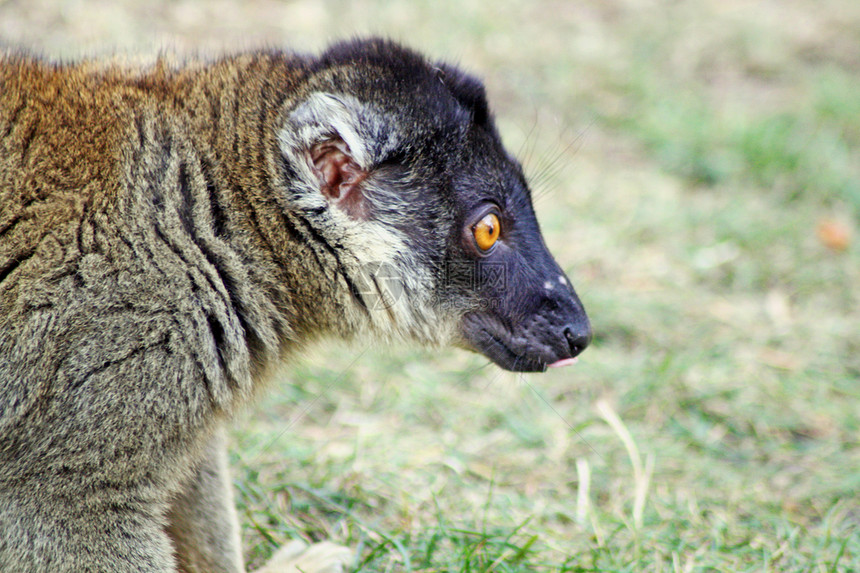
(239, 104)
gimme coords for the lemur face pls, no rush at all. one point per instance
(525, 315)
(404, 169)
(528, 315)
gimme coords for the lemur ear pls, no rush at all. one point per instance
(330, 141)
(339, 176)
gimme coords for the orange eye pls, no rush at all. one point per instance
(487, 231)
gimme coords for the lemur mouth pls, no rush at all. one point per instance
(490, 337)
(507, 358)
(483, 334)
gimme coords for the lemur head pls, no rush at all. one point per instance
(396, 163)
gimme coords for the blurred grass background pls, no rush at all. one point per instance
(696, 169)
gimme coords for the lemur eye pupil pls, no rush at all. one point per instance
(487, 231)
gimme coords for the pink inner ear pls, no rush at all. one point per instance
(339, 176)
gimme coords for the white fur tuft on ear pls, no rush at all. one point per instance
(325, 116)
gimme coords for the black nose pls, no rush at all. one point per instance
(577, 341)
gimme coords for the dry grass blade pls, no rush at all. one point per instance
(641, 474)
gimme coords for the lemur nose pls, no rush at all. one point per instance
(577, 342)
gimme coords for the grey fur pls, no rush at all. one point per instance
(169, 234)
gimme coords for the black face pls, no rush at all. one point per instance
(528, 316)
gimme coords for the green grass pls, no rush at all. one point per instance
(806, 149)
(684, 155)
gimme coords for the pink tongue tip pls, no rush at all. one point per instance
(565, 362)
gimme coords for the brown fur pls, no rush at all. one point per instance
(169, 232)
